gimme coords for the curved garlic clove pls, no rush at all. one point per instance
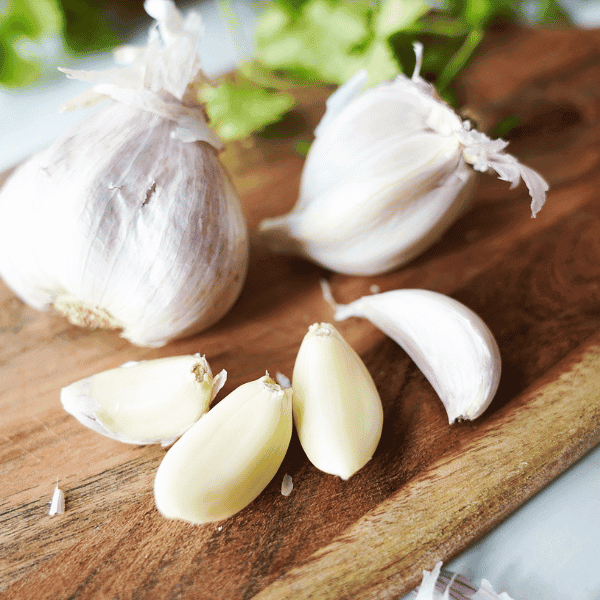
(389, 171)
(130, 221)
(450, 344)
(228, 457)
(148, 402)
(336, 406)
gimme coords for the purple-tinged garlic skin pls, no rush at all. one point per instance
(129, 221)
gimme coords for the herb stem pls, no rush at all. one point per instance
(459, 60)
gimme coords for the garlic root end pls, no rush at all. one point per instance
(79, 312)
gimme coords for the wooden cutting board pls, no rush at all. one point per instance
(431, 489)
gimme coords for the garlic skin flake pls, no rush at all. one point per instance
(129, 221)
(147, 402)
(228, 457)
(439, 584)
(337, 409)
(287, 485)
(57, 504)
(451, 345)
(390, 170)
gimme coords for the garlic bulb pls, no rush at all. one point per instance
(129, 221)
(388, 172)
(450, 344)
(228, 457)
(147, 402)
(336, 406)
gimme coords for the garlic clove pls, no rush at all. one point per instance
(451, 345)
(228, 457)
(146, 402)
(337, 409)
(390, 169)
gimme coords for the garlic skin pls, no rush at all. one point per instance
(287, 485)
(337, 409)
(57, 504)
(439, 584)
(228, 457)
(148, 402)
(451, 345)
(390, 170)
(129, 221)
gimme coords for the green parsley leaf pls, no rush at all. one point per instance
(238, 109)
(318, 42)
(24, 22)
(78, 25)
(317, 45)
(395, 15)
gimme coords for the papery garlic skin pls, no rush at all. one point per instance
(148, 402)
(129, 221)
(439, 584)
(451, 345)
(57, 504)
(337, 409)
(390, 169)
(287, 485)
(228, 457)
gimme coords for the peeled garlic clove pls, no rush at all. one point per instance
(130, 221)
(337, 409)
(228, 457)
(389, 171)
(148, 402)
(450, 344)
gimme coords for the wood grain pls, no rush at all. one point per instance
(431, 489)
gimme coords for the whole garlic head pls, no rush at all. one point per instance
(129, 221)
(390, 169)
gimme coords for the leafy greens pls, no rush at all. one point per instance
(302, 43)
(30, 29)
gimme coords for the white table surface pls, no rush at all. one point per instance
(549, 549)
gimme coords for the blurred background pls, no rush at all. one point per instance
(37, 36)
(550, 548)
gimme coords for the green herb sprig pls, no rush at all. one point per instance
(26, 26)
(301, 43)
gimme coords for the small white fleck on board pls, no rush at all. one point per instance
(287, 485)
(57, 505)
